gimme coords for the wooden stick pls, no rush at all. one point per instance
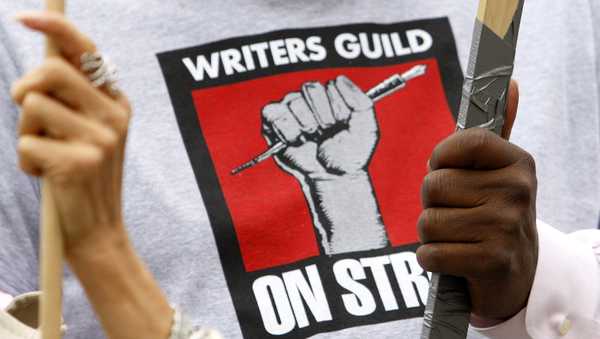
(497, 15)
(485, 92)
(51, 244)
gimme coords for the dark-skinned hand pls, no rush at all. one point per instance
(479, 217)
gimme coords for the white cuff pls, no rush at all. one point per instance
(514, 328)
(5, 300)
(564, 295)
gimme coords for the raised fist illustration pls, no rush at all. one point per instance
(329, 129)
(331, 134)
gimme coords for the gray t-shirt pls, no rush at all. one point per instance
(281, 250)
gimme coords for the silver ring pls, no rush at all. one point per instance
(100, 71)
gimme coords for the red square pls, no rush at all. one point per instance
(270, 214)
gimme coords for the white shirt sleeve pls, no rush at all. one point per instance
(565, 296)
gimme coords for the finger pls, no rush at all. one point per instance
(340, 109)
(362, 120)
(70, 41)
(299, 108)
(457, 188)
(511, 109)
(450, 225)
(469, 260)
(278, 119)
(42, 114)
(354, 97)
(61, 80)
(55, 159)
(315, 95)
(475, 148)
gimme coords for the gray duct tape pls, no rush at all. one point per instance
(445, 314)
(487, 80)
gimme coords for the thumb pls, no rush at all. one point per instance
(512, 106)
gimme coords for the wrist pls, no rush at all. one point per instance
(107, 243)
(345, 212)
(122, 291)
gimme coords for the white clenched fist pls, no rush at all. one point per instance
(329, 130)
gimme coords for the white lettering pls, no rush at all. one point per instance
(260, 50)
(409, 275)
(377, 266)
(419, 40)
(360, 301)
(203, 66)
(387, 46)
(318, 52)
(376, 52)
(278, 318)
(279, 52)
(231, 59)
(248, 59)
(296, 48)
(398, 46)
(346, 45)
(313, 295)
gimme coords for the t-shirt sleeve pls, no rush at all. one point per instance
(19, 193)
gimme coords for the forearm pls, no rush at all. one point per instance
(346, 213)
(122, 291)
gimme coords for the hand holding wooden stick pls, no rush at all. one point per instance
(484, 99)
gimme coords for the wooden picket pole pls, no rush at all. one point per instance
(490, 67)
(51, 242)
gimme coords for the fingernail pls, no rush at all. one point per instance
(27, 16)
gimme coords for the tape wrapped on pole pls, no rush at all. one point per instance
(485, 91)
(51, 240)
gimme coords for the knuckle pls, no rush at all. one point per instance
(24, 165)
(91, 159)
(429, 258)
(423, 227)
(511, 221)
(522, 188)
(31, 102)
(121, 122)
(436, 155)
(432, 188)
(271, 112)
(474, 139)
(30, 110)
(426, 224)
(24, 161)
(87, 43)
(53, 68)
(116, 117)
(24, 148)
(528, 162)
(499, 264)
(108, 141)
(291, 97)
(343, 78)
